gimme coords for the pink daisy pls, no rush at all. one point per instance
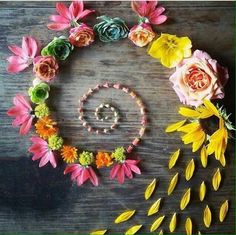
(40, 149)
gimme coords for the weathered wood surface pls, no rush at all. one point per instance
(34, 200)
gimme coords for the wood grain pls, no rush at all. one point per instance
(34, 200)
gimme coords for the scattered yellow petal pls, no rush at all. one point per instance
(185, 199)
(173, 159)
(189, 170)
(156, 224)
(211, 107)
(173, 127)
(222, 160)
(150, 189)
(223, 211)
(207, 216)
(202, 191)
(173, 183)
(161, 232)
(216, 179)
(204, 156)
(173, 222)
(154, 207)
(98, 232)
(134, 229)
(124, 216)
(187, 112)
(188, 226)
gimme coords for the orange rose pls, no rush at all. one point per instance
(141, 34)
(81, 36)
(45, 68)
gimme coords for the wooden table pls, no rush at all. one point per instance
(34, 200)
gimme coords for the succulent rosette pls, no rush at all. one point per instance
(60, 48)
(81, 36)
(39, 93)
(110, 29)
(199, 77)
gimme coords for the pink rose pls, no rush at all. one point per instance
(141, 34)
(81, 36)
(199, 77)
(45, 68)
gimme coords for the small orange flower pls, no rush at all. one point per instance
(45, 127)
(103, 159)
(69, 153)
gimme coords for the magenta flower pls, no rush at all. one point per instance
(22, 112)
(149, 12)
(23, 56)
(68, 16)
(40, 149)
(120, 170)
(81, 174)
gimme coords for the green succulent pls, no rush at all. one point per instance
(39, 93)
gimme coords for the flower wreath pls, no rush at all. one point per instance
(197, 80)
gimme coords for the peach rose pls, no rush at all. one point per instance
(45, 68)
(81, 36)
(141, 34)
(199, 77)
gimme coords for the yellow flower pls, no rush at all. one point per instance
(170, 49)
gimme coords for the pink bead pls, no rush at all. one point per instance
(142, 131)
(116, 86)
(85, 124)
(89, 129)
(106, 85)
(144, 121)
(142, 111)
(97, 87)
(136, 142)
(97, 131)
(130, 149)
(132, 94)
(125, 89)
(80, 109)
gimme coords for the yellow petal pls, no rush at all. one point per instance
(185, 199)
(134, 229)
(189, 127)
(223, 211)
(156, 224)
(189, 170)
(187, 112)
(216, 179)
(204, 156)
(173, 223)
(161, 232)
(171, 57)
(124, 216)
(207, 216)
(150, 189)
(173, 184)
(222, 160)
(154, 208)
(211, 107)
(98, 232)
(187, 53)
(189, 226)
(173, 127)
(190, 137)
(173, 158)
(202, 191)
(204, 112)
(199, 143)
(185, 43)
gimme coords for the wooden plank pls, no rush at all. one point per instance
(43, 200)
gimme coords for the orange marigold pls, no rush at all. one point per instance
(69, 153)
(45, 127)
(103, 159)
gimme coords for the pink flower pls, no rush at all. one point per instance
(120, 170)
(23, 56)
(68, 16)
(199, 77)
(40, 149)
(149, 11)
(81, 174)
(22, 113)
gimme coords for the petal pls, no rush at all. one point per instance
(93, 177)
(26, 47)
(19, 120)
(14, 111)
(71, 168)
(16, 68)
(127, 170)
(44, 160)
(59, 19)
(39, 155)
(52, 159)
(135, 169)
(82, 177)
(114, 171)
(121, 175)
(83, 14)
(33, 47)
(63, 11)
(76, 7)
(16, 60)
(38, 140)
(158, 20)
(24, 129)
(58, 26)
(16, 50)
(20, 100)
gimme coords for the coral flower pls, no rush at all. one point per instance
(149, 12)
(124, 169)
(22, 112)
(45, 127)
(81, 174)
(103, 159)
(170, 49)
(69, 153)
(40, 149)
(68, 16)
(23, 55)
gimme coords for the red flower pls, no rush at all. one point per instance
(120, 170)
(23, 55)
(81, 174)
(68, 16)
(22, 113)
(149, 11)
